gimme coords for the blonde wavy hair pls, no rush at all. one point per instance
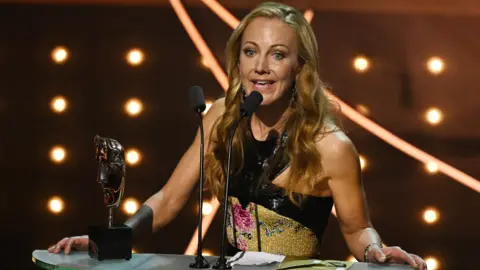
(309, 113)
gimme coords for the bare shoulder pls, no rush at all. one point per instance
(339, 155)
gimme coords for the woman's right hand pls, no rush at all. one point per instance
(79, 243)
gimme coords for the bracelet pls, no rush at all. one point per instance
(365, 259)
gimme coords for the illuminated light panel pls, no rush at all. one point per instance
(56, 205)
(130, 206)
(430, 215)
(434, 116)
(60, 54)
(435, 65)
(58, 154)
(135, 57)
(353, 115)
(361, 64)
(58, 104)
(133, 157)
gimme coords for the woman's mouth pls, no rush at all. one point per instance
(262, 84)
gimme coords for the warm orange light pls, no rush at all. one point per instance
(363, 162)
(130, 206)
(207, 252)
(133, 156)
(434, 116)
(55, 205)
(58, 154)
(435, 65)
(133, 107)
(363, 109)
(58, 104)
(351, 259)
(207, 208)
(432, 263)
(135, 57)
(431, 167)
(60, 55)
(431, 215)
(361, 63)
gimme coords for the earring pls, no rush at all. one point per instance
(294, 92)
(242, 90)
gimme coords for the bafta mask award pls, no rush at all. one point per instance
(112, 241)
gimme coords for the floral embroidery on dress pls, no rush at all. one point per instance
(243, 219)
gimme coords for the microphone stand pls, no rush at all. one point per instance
(200, 261)
(222, 261)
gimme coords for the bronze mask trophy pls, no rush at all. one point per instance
(112, 241)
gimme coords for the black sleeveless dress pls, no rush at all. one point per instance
(261, 217)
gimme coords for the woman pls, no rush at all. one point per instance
(291, 161)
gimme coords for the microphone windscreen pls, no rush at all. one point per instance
(251, 103)
(197, 100)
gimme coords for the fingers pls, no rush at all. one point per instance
(399, 254)
(379, 256)
(69, 245)
(56, 248)
(420, 262)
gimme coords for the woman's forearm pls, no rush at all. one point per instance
(359, 240)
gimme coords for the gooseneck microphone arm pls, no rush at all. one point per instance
(198, 103)
(247, 109)
(222, 261)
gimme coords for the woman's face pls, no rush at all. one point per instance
(268, 58)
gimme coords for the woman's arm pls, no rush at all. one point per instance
(163, 206)
(342, 167)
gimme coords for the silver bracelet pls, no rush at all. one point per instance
(365, 259)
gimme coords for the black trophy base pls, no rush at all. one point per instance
(109, 243)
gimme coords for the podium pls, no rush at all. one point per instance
(81, 260)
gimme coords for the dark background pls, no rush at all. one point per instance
(97, 81)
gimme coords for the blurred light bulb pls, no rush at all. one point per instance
(431, 167)
(60, 54)
(58, 104)
(130, 206)
(434, 116)
(133, 156)
(432, 263)
(133, 107)
(207, 208)
(361, 63)
(363, 162)
(436, 65)
(57, 154)
(430, 215)
(135, 57)
(55, 205)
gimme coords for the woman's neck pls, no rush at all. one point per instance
(270, 119)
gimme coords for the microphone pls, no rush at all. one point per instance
(249, 106)
(197, 102)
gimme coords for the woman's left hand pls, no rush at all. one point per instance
(395, 255)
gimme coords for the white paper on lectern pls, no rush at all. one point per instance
(255, 258)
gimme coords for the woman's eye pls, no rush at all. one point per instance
(278, 56)
(249, 52)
